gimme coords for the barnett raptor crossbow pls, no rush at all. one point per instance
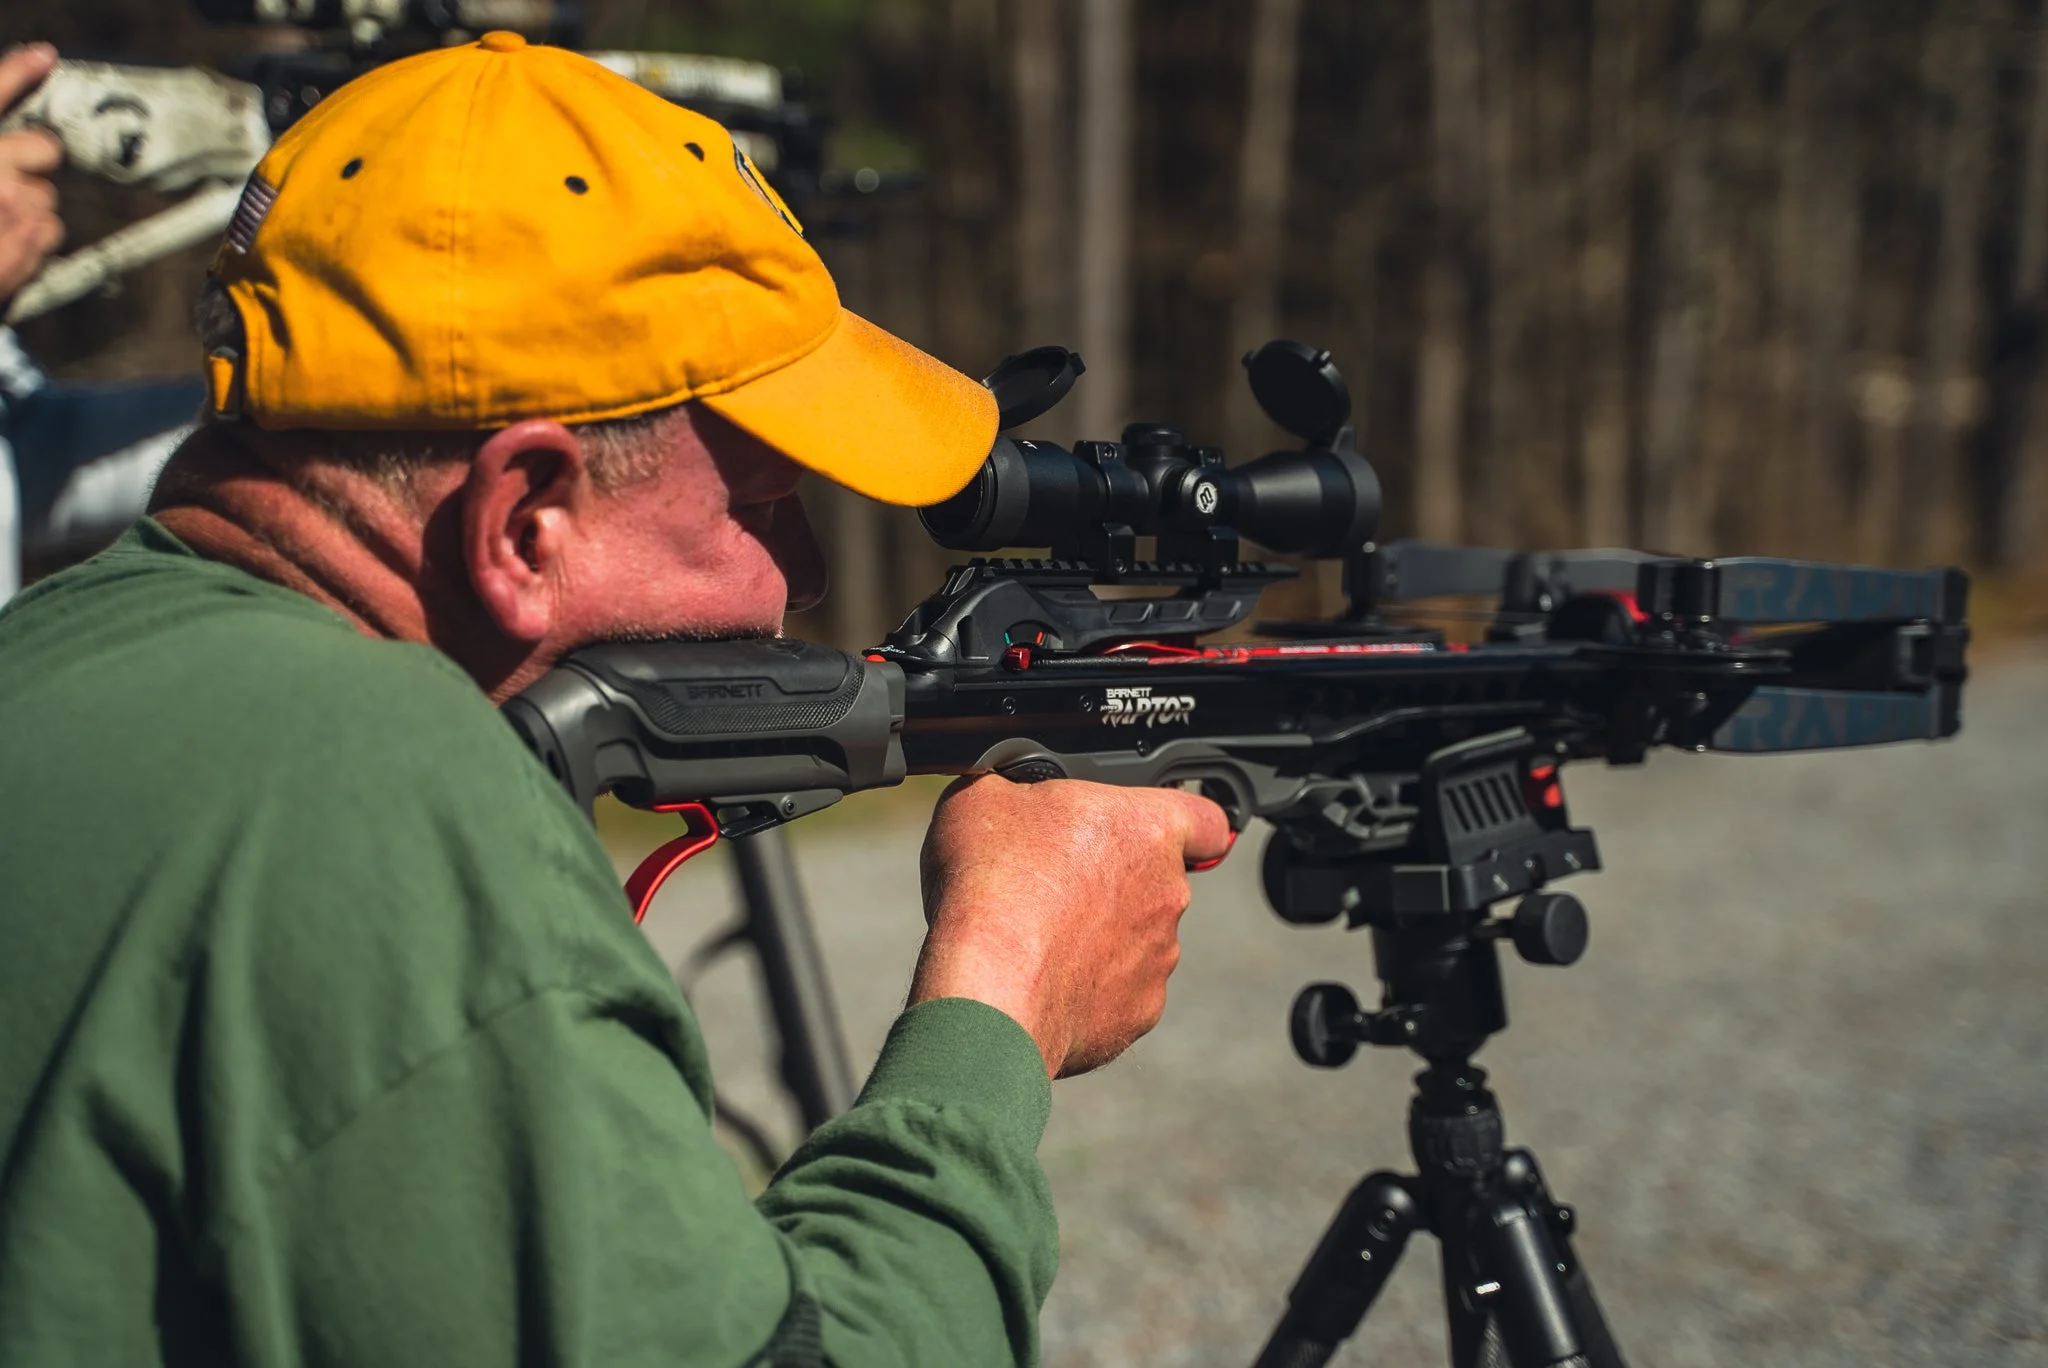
(1411, 782)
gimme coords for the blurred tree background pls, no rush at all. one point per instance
(1700, 275)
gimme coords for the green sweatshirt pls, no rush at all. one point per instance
(326, 1037)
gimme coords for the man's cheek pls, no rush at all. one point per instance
(754, 581)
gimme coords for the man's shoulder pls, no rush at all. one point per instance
(143, 638)
(321, 696)
(220, 711)
(234, 825)
(343, 820)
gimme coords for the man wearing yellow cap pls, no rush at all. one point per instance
(328, 1037)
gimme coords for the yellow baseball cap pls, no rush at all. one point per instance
(499, 231)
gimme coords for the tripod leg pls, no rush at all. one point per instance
(1525, 1281)
(1596, 1341)
(1594, 1336)
(778, 923)
(1474, 1338)
(1346, 1272)
(1526, 1293)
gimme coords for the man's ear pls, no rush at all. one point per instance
(523, 507)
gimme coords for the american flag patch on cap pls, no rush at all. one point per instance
(257, 197)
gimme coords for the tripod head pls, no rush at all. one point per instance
(1490, 823)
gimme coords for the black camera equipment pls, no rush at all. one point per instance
(350, 37)
(1412, 782)
(396, 26)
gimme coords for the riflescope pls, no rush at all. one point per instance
(1323, 500)
(1313, 503)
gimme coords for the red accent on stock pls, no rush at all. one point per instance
(1627, 599)
(701, 834)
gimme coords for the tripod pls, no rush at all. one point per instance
(1515, 1293)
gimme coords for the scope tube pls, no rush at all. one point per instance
(1320, 502)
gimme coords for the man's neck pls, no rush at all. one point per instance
(387, 562)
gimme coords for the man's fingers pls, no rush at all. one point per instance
(1204, 829)
(19, 260)
(22, 69)
(27, 197)
(24, 244)
(31, 152)
(1206, 836)
(30, 225)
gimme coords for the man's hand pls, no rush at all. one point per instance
(1059, 903)
(29, 227)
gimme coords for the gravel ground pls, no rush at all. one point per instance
(1796, 1088)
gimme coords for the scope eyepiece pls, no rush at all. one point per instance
(1321, 502)
(1025, 494)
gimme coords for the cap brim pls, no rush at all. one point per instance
(872, 412)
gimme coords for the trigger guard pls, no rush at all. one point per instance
(1033, 771)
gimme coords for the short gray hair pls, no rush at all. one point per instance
(621, 451)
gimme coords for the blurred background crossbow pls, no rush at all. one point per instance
(199, 132)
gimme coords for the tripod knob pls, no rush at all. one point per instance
(1325, 1025)
(1550, 928)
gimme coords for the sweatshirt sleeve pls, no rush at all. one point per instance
(547, 1190)
(935, 1167)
